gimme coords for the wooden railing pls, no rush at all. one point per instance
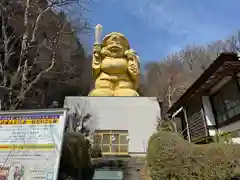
(197, 127)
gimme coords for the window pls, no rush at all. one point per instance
(226, 102)
(112, 142)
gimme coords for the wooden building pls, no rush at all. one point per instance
(212, 103)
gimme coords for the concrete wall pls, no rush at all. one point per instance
(138, 115)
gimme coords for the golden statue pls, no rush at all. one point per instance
(115, 66)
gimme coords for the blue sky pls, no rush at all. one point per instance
(156, 28)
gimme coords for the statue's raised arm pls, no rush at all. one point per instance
(133, 66)
(96, 62)
(116, 67)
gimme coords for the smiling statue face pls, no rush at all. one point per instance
(116, 44)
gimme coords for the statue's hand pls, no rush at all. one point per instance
(133, 69)
(133, 63)
(96, 62)
(96, 54)
(130, 54)
(97, 48)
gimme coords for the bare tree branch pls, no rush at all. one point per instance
(22, 95)
(25, 37)
(37, 23)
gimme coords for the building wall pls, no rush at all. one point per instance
(209, 116)
(210, 120)
(231, 127)
(196, 119)
(234, 128)
(138, 115)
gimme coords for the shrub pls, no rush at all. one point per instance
(144, 172)
(75, 151)
(171, 157)
(96, 151)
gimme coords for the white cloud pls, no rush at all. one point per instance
(173, 16)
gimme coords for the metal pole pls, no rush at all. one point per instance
(186, 120)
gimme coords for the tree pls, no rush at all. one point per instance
(31, 51)
(175, 73)
(196, 59)
(82, 118)
(166, 125)
(170, 80)
(75, 160)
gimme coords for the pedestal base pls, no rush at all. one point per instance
(125, 123)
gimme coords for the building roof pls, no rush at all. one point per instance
(215, 72)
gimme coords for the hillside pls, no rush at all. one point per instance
(31, 42)
(175, 73)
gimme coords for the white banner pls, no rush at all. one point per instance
(30, 144)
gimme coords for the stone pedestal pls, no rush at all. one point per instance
(136, 116)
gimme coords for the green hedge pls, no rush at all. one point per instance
(171, 157)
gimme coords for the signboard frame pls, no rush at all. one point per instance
(50, 120)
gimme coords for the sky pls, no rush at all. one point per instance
(156, 28)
